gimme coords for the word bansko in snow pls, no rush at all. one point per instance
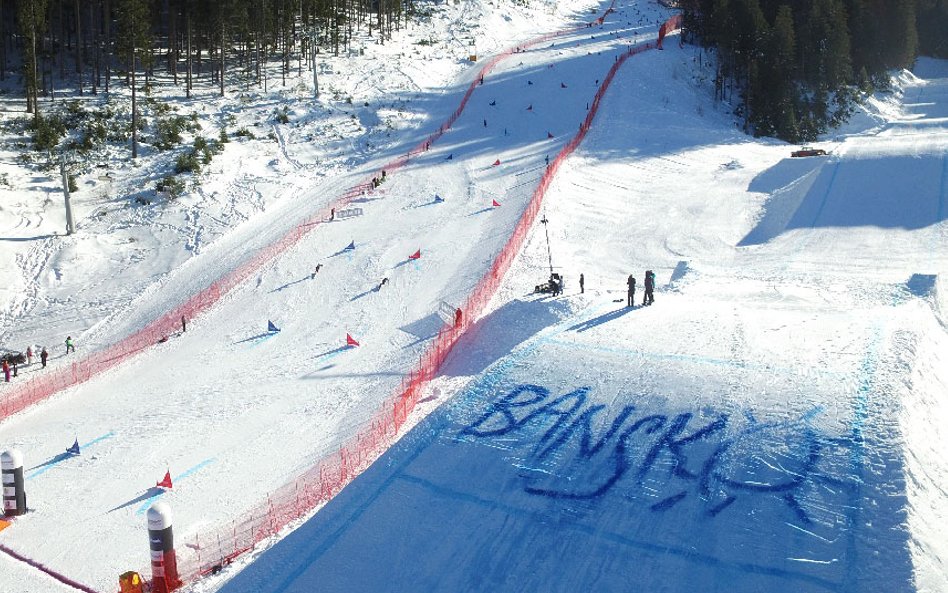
(584, 450)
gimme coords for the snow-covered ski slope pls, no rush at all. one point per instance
(234, 412)
(774, 422)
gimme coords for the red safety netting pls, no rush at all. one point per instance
(209, 552)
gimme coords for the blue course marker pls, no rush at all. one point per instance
(67, 455)
(187, 473)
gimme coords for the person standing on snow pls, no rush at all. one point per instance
(6, 371)
(581, 284)
(70, 346)
(631, 283)
(458, 315)
(43, 356)
(29, 355)
(649, 287)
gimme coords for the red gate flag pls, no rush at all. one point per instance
(416, 255)
(350, 341)
(166, 481)
(497, 162)
(495, 203)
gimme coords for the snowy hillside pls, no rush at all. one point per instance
(773, 422)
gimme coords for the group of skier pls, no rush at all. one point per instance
(10, 365)
(649, 297)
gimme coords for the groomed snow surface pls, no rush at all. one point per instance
(774, 422)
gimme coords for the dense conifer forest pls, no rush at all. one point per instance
(795, 68)
(71, 48)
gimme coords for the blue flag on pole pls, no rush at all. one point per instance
(74, 450)
(438, 199)
(350, 246)
(450, 157)
(271, 327)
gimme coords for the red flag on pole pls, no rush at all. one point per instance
(495, 203)
(166, 481)
(497, 162)
(416, 255)
(350, 341)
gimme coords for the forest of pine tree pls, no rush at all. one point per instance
(795, 68)
(86, 46)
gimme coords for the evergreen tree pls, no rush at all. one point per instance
(932, 27)
(31, 15)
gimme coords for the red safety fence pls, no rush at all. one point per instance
(208, 553)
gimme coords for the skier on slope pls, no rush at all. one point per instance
(631, 283)
(43, 356)
(70, 345)
(29, 355)
(649, 287)
(582, 283)
(6, 370)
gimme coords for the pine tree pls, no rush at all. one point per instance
(31, 15)
(133, 38)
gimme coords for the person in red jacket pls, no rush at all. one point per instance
(6, 371)
(457, 318)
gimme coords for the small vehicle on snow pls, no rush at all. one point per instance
(12, 357)
(554, 285)
(808, 151)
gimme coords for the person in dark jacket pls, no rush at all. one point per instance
(649, 288)
(631, 283)
(43, 356)
(582, 283)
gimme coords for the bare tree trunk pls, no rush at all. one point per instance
(78, 44)
(223, 41)
(134, 112)
(95, 47)
(108, 44)
(3, 45)
(189, 72)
